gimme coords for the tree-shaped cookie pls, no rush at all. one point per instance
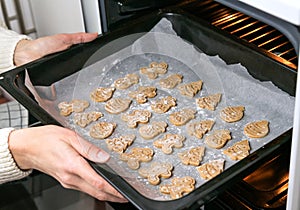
(190, 89)
(192, 156)
(211, 169)
(238, 151)
(199, 128)
(209, 102)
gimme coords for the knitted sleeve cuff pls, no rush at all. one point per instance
(9, 171)
(8, 41)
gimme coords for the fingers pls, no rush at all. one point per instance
(87, 180)
(76, 38)
(88, 150)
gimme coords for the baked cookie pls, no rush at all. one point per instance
(135, 117)
(211, 169)
(238, 151)
(121, 143)
(126, 82)
(178, 187)
(76, 105)
(199, 128)
(171, 81)
(151, 130)
(143, 93)
(232, 113)
(102, 94)
(84, 119)
(156, 171)
(102, 130)
(168, 142)
(190, 89)
(154, 69)
(217, 139)
(117, 105)
(209, 102)
(182, 117)
(164, 104)
(192, 156)
(257, 129)
(137, 155)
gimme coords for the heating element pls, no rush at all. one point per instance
(254, 32)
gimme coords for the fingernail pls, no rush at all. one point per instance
(102, 157)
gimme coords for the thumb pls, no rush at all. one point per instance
(91, 151)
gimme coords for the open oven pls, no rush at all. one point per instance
(265, 44)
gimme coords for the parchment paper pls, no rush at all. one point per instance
(262, 100)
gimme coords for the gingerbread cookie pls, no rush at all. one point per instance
(84, 119)
(192, 156)
(257, 129)
(232, 113)
(209, 102)
(156, 171)
(211, 169)
(198, 129)
(117, 105)
(218, 139)
(151, 130)
(126, 82)
(168, 142)
(154, 69)
(171, 81)
(143, 93)
(121, 143)
(163, 105)
(135, 117)
(178, 187)
(76, 105)
(137, 155)
(182, 117)
(102, 130)
(190, 89)
(238, 151)
(102, 94)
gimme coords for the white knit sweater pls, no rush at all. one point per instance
(9, 170)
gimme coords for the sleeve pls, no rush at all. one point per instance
(9, 170)
(8, 42)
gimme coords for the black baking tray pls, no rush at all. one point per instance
(210, 40)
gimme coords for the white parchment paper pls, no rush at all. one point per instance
(262, 100)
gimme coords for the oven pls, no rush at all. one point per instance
(275, 41)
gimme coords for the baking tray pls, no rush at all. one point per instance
(210, 40)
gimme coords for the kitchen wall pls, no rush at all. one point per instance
(38, 18)
(17, 14)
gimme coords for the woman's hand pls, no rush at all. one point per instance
(29, 50)
(61, 153)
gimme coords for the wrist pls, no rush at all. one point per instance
(22, 53)
(18, 149)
